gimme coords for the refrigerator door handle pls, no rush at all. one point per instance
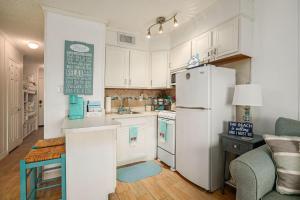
(193, 108)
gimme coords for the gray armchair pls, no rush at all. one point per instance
(254, 171)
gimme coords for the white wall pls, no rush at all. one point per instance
(59, 28)
(160, 42)
(275, 64)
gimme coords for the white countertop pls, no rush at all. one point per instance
(94, 123)
(100, 123)
(140, 114)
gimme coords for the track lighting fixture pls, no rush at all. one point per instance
(160, 21)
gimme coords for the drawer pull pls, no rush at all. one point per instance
(235, 146)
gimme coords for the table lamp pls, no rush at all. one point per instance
(247, 95)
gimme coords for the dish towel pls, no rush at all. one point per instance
(163, 131)
(133, 134)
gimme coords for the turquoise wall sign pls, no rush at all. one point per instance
(78, 68)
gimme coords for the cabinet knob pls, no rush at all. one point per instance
(235, 146)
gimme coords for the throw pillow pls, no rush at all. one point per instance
(286, 155)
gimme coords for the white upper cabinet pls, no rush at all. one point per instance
(117, 67)
(180, 55)
(159, 69)
(202, 45)
(139, 69)
(226, 38)
(232, 38)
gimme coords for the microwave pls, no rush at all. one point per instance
(173, 78)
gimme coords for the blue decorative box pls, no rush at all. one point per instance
(244, 129)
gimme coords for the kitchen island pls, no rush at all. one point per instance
(90, 157)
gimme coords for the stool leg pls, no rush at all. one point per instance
(63, 177)
(40, 173)
(33, 183)
(23, 180)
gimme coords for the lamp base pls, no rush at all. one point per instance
(247, 115)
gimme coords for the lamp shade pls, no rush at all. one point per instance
(247, 95)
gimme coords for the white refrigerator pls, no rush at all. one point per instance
(203, 108)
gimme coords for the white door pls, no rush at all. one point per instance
(192, 145)
(139, 69)
(193, 88)
(225, 38)
(159, 69)
(41, 101)
(201, 45)
(180, 55)
(116, 67)
(14, 106)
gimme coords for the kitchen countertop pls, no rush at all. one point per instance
(89, 123)
(122, 116)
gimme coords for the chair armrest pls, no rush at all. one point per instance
(254, 173)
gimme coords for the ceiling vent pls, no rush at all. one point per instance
(126, 39)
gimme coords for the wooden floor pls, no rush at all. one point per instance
(166, 186)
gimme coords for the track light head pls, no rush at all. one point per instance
(148, 34)
(160, 30)
(175, 22)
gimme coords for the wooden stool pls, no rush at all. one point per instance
(49, 142)
(36, 159)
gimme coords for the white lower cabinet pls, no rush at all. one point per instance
(145, 146)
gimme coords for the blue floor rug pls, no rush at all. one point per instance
(138, 172)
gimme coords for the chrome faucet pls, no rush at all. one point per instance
(122, 109)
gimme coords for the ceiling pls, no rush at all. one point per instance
(23, 21)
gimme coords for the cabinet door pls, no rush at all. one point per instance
(117, 67)
(201, 45)
(225, 38)
(180, 55)
(159, 69)
(146, 144)
(139, 69)
(127, 152)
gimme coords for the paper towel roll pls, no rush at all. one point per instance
(108, 104)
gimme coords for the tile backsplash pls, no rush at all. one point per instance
(136, 97)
